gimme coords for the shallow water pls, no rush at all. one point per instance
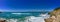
(23, 16)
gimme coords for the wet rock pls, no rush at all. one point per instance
(2, 20)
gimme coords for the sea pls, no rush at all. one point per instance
(22, 16)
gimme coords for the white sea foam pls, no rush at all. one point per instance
(12, 20)
(37, 19)
(29, 19)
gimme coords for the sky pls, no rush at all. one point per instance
(25, 5)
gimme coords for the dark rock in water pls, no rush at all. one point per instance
(2, 20)
(0, 12)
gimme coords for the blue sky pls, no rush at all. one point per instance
(29, 4)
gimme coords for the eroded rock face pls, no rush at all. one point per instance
(49, 20)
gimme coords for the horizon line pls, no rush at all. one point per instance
(23, 10)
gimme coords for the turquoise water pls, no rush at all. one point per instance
(20, 16)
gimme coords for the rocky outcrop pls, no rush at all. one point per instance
(2, 20)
